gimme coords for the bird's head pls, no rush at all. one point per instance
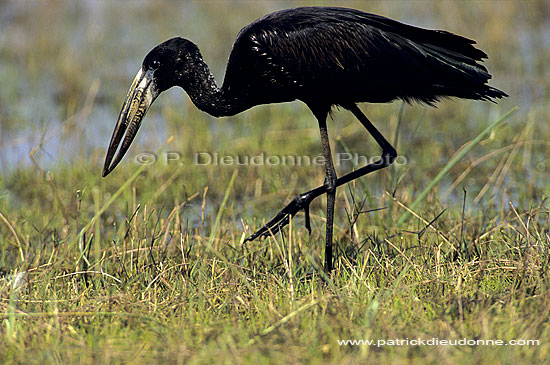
(165, 66)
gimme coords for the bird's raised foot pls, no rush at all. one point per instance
(283, 217)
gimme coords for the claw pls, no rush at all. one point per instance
(308, 225)
(283, 217)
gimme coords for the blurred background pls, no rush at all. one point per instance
(65, 68)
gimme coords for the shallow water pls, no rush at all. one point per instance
(53, 55)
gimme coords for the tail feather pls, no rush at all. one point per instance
(454, 61)
(463, 77)
(442, 39)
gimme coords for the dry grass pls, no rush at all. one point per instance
(162, 273)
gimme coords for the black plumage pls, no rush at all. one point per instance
(339, 56)
(324, 57)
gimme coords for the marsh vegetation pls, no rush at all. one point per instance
(149, 263)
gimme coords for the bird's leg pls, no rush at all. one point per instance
(303, 200)
(300, 202)
(330, 187)
(388, 152)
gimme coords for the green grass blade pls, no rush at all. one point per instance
(117, 193)
(453, 162)
(222, 206)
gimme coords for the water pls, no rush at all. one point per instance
(51, 56)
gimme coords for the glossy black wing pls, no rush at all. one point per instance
(345, 55)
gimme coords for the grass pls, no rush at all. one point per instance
(149, 264)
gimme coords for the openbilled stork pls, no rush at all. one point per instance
(324, 57)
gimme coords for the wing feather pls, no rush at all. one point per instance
(347, 56)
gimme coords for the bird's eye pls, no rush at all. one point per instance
(155, 65)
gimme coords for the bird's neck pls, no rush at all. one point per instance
(205, 93)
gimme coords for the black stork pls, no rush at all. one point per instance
(324, 57)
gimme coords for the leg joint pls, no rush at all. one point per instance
(389, 155)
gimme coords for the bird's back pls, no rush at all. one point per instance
(339, 56)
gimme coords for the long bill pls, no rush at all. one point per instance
(141, 95)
